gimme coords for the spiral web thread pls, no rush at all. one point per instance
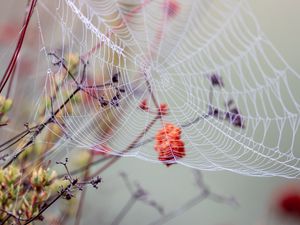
(177, 53)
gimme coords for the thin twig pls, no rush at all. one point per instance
(83, 194)
(39, 128)
(13, 140)
(204, 194)
(74, 184)
(48, 205)
(96, 162)
(127, 207)
(134, 142)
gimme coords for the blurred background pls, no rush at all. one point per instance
(172, 187)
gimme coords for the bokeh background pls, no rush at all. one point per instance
(173, 186)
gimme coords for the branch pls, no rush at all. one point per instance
(204, 194)
(130, 146)
(11, 66)
(66, 192)
(39, 128)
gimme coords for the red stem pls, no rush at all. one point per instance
(11, 66)
(135, 141)
(10, 82)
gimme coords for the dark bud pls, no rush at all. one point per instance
(103, 102)
(122, 90)
(96, 181)
(68, 196)
(74, 182)
(235, 118)
(216, 80)
(118, 95)
(213, 111)
(115, 78)
(114, 101)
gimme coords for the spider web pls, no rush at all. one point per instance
(176, 52)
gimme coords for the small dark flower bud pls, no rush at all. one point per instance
(115, 78)
(103, 102)
(114, 102)
(216, 80)
(68, 196)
